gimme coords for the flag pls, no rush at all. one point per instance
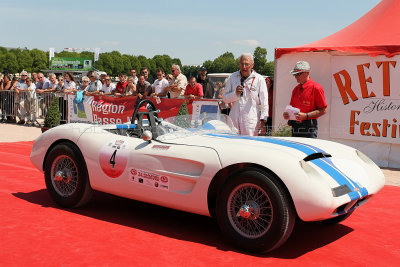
(96, 54)
(51, 52)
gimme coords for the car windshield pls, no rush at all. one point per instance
(188, 125)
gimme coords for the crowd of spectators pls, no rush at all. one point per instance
(35, 86)
(171, 86)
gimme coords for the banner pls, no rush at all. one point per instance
(71, 64)
(118, 110)
(51, 53)
(96, 54)
(365, 101)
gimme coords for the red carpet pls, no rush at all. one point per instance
(112, 231)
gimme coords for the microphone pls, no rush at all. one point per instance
(242, 84)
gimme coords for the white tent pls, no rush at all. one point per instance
(359, 70)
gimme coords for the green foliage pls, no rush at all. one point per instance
(260, 59)
(40, 60)
(224, 63)
(11, 63)
(35, 60)
(261, 65)
(183, 119)
(52, 118)
(283, 130)
(190, 71)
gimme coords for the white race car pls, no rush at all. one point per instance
(256, 187)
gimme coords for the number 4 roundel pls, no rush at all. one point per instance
(113, 158)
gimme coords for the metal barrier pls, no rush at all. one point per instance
(28, 106)
(6, 104)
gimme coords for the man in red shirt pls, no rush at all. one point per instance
(121, 85)
(193, 90)
(308, 96)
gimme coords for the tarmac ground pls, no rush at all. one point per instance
(11, 132)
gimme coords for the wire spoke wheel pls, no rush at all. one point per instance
(64, 175)
(249, 210)
(254, 211)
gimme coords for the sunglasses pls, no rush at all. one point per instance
(297, 74)
(24, 75)
(108, 79)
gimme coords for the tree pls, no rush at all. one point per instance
(190, 70)
(52, 118)
(224, 63)
(25, 61)
(105, 63)
(135, 63)
(270, 68)
(117, 67)
(182, 119)
(40, 60)
(144, 62)
(260, 60)
(11, 63)
(126, 63)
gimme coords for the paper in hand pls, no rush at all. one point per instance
(292, 111)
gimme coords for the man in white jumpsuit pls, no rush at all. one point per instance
(247, 91)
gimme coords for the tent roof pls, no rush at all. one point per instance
(375, 33)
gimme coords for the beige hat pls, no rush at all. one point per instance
(301, 66)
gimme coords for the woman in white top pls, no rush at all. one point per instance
(69, 83)
(130, 87)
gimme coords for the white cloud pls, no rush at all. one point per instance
(110, 43)
(251, 43)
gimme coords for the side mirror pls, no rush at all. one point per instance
(147, 136)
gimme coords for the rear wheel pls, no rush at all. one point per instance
(66, 176)
(254, 211)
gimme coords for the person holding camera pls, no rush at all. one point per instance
(248, 93)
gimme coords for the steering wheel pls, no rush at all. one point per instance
(151, 116)
(138, 105)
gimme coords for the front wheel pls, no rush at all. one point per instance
(255, 212)
(66, 176)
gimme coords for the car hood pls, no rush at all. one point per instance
(298, 147)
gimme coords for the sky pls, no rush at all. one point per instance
(193, 31)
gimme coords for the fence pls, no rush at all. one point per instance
(28, 106)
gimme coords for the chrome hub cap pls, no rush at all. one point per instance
(249, 210)
(64, 175)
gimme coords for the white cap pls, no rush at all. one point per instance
(301, 66)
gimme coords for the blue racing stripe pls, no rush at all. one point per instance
(325, 164)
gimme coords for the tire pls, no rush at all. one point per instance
(66, 176)
(254, 212)
(337, 219)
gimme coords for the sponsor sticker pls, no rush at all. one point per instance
(150, 179)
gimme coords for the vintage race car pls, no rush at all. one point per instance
(256, 187)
